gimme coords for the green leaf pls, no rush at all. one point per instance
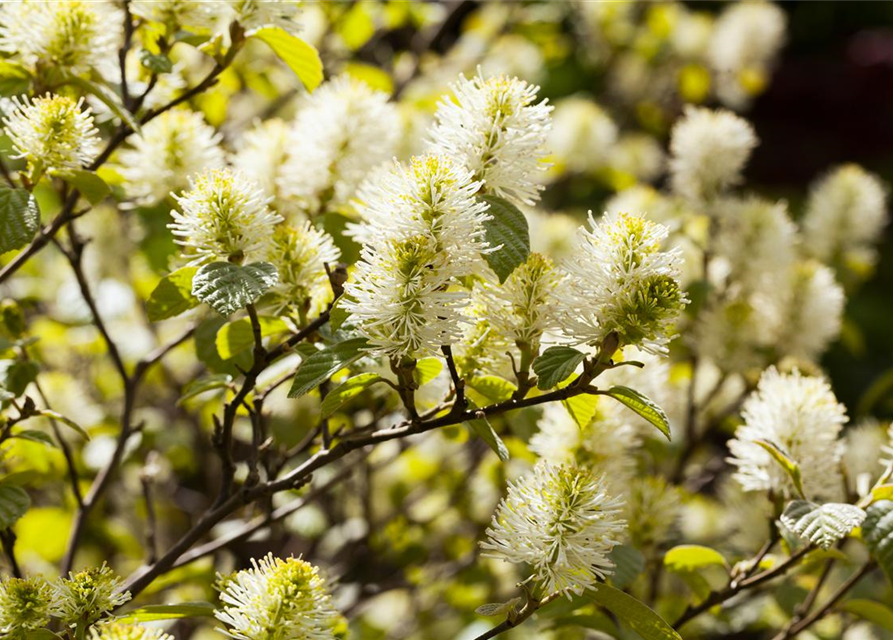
(19, 218)
(35, 436)
(172, 295)
(821, 524)
(15, 79)
(782, 458)
(228, 287)
(484, 429)
(636, 614)
(426, 370)
(14, 502)
(507, 230)
(154, 612)
(492, 388)
(68, 422)
(42, 634)
(239, 335)
(629, 563)
(691, 557)
(497, 608)
(882, 492)
(300, 57)
(16, 375)
(91, 186)
(555, 365)
(156, 62)
(323, 364)
(582, 408)
(642, 405)
(206, 383)
(347, 390)
(107, 96)
(870, 611)
(877, 532)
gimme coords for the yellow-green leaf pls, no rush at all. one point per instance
(691, 557)
(300, 57)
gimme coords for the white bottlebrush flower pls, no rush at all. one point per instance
(732, 334)
(224, 216)
(175, 14)
(524, 307)
(754, 243)
(431, 196)
(496, 129)
(561, 521)
(260, 154)
(120, 631)
(582, 135)
(342, 131)
(398, 298)
(52, 132)
(653, 508)
(844, 216)
(277, 600)
(77, 35)
(606, 444)
(300, 254)
(170, 149)
(799, 415)
(621, 281)
(813, 311)
(866, 446)
(639, 155)
(25, 605)
(746, 39)
(709, 150)
(88, 595)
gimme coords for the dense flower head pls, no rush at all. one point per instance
(342, 131)
(77, 35)
(622, 282)
(653, 508)
(399, 298)
(606, 443)
(497, 130)
(799, 415)
(844, 216)
(277, 599)
(560, 520)
(813, 311)
(524, 307)
(88, 595)
(224, 216)
(746, 38)
(865, 454)
(52, 132)
(300, 254)
(25, 605)
(732, 334)
(260, 155)
(433, 196)
(168, 151)
(709, 150)
(582, 134)
(175, 14)
(120, 631)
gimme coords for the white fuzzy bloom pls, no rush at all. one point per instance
(223, 216)
(277, 600)
(621, 281)
(119, 631)
(709, 150)
(432, 196)
(867, 443)
(87, 595)
(639, 155)
(582, 134)
(175, 14)
(167, 153)
(260, 154)
(732, 333)
(846, 212)
(754, 243)
(653, 508)
(399, 300)
(606, 444)
(524, 307)
(52, 132)
(814, 311)
(77, 35)
(25, 605)
(342, 131)
(495, 128)
(561, 521)
(300, 254)
(746, 39)
(799, 415)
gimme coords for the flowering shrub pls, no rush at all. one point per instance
(293, 349)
